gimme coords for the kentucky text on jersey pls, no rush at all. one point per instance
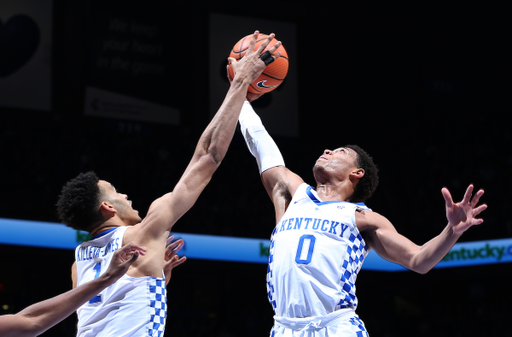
(321, 225)
(91, 252)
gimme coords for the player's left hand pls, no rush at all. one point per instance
(122, 260)
(171, 256)
(462, 215)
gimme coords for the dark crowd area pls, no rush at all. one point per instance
(425, 91)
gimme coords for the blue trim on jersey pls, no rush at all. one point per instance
(99, 235)
(320, 202)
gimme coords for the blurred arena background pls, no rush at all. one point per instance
(126, 88)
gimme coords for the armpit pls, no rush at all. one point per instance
(283, 192)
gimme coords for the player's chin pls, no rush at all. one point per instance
(318, 165)
(136, 216)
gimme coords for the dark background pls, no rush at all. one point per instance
(423, 88)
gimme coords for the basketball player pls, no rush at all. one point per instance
(39, 317)
(323, 235)
(136, 304)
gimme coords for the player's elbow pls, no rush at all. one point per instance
(213, 157)
(420, 268)
(421, 271)
(29, 325)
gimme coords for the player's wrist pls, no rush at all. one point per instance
(108, 278)
(240, 83)
(242, 79)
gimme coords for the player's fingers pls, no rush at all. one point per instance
(479, 210)
(477, 197)
(252, 43)
(172, 245)
(447, 197)
(179, 261)
(467, 195)
(126, 252)
(132, 247)
(265, 43)
(174, 248)
(276, 56)
(134, 257)
(172, 260)
(274, 47)
(176, 245)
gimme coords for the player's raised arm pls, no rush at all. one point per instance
(41, 316)
(213, 144)
(280, 182)
(394, 247)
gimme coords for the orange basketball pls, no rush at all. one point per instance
(274, 73)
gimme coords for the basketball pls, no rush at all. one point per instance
(274, 73)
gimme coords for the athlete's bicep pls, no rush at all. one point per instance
(383, 237)
(280, 177)
(280, 184)
(165, 211)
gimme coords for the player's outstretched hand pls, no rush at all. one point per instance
(171, 256)
(462, 215)
(249, 67)
(122, 260)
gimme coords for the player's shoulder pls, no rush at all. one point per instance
(367, 219)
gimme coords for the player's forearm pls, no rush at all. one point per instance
(43, 315)
(260, 143)
(217, 136)
(432, 252)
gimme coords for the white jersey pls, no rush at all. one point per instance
(316, 251)
(135, 307)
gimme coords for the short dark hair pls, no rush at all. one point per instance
(78, 202)
(368, 183)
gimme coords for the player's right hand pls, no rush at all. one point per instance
(251, 66)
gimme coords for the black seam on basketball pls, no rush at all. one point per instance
(274, 78)
(241, 44)
(236, 55)
(256, 88)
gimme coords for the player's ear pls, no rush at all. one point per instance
(358, 173)
(107, 209)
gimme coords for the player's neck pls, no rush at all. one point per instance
(109, 224)
(339, 191)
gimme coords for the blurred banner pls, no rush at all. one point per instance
(223, 248)
(129, 58)
(279, 108)
(26, 54)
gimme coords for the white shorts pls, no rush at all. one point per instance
(341, 323)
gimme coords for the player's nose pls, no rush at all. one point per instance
(327, 151)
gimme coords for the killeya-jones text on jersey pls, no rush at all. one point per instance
(92, 252)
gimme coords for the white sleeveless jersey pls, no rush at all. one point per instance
(316, 252)
(132, 306)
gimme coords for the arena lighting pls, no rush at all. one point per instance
(223, 248)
